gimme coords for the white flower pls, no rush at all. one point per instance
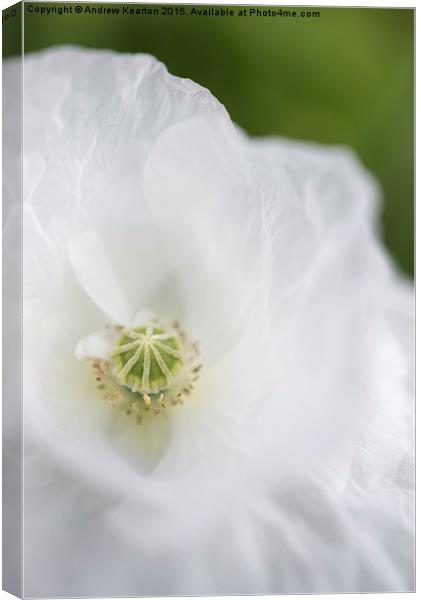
(287, 467)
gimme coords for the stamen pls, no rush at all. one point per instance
(99, 369)
(152, 367)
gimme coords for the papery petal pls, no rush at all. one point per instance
(220, 217)
(210, 220)
(89, 152)
(97, 277)
(288, 470)
(97, 345)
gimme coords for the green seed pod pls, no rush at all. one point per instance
(147, 359)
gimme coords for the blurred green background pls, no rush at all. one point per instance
(343, 78)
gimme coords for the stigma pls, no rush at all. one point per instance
(148, 358)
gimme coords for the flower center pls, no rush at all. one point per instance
(147, 359)
(151, 368)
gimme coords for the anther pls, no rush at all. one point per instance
(152, 367)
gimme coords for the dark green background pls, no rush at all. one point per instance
(346, 77)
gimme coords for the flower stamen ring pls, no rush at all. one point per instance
(151, 367)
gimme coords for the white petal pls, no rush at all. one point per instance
(96, 275)
(89, 131)
(143, 317)
(235, 224)
(97, 345)
(293, 449)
